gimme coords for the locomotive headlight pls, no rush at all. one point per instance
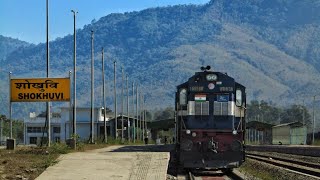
(211, 77)
(234, 132)
(194, 134)
(188, 131)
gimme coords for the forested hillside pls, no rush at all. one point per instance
(270, 46)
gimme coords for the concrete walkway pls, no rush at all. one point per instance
(115, 162)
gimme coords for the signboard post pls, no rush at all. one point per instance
(37, 90)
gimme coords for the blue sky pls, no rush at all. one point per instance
(26, 19)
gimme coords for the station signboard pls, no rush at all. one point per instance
(40, 90)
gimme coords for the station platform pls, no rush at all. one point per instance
(148, 162)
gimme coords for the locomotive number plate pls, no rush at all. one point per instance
(226, 88)
(196, 88)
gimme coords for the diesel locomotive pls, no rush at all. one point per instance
(210, 121)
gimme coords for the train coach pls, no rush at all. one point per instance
(210, 121)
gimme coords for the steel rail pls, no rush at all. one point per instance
(315, 173)
(299, 162)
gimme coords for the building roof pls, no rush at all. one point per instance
(258, 125)
(82, 108)
(291, 124)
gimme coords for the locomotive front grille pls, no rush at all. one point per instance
(223, 108)
(198, 108)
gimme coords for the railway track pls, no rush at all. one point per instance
(210, 175)
(300, 167)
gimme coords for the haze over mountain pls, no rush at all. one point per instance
(270, 46)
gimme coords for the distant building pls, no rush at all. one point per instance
(294, 133)
(61, 125)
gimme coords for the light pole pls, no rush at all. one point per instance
(145, 118)
(137, 112)
(92, 90)
(1, 129)
(133, 120)
(314, 118)
(142, 115)
(115, 101)
(122, 106)
(74, 127)
(10, 108)
(48, 103)
(104, 100)
(128, 125)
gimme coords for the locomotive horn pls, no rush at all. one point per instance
(202, 68)
(208, 68)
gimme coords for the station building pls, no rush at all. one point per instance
(61, 125)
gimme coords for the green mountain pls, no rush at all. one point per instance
(270, 46)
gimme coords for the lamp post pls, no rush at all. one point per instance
(314, 118)
(74, 124)
(128, 112)
(137, 111)
(122, 106)
(104, 100)
(48, 103)
(115, 101)
(92, 90)
(10, 108)
(133, 120)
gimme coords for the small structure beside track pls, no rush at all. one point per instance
(258, 132)
(289, 133)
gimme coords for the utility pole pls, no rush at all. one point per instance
(70, 113)
(137, 112)
(303, 113)
(145, 118)
(74, 122)
(48, 62)
(133, 119)
(122, 107)
(314, 119)
(115, 101)
(1, 129)
(128, 112)
(10, 108)
(104, 100)
(92, 90)
(142, 116)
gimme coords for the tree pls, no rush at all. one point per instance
(17, 128)
(262, 111)
(296, 113)
(167, 113)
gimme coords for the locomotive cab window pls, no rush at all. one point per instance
(238, 97)
(183, 97)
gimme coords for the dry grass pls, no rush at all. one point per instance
(25, 162)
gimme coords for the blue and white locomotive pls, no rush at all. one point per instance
(210, 121)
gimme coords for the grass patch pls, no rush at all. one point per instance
(25, 162)
(251, 169)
